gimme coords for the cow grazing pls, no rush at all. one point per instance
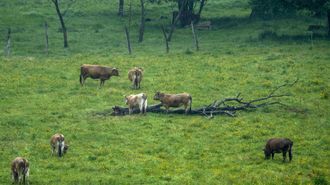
(174, 100)
(97, 72)
(135, 76)
(138, 100)
(58, 145)
(20, 170)
(278, 145)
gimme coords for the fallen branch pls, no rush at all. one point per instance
(227, 106)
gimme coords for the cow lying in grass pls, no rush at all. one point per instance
(174, 100)
(58, 145)
(97, 72)
(135, 76)
(278, 145)
(20, 170)
(138, 100)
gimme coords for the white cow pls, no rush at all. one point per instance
(137, 100)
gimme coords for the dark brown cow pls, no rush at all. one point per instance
(97, 72)
(174, 100)
(278, 145)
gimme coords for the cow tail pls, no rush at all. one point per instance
(135, 79)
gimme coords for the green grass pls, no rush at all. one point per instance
(40, 95)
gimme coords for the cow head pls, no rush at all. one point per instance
(267, 153)
(115, 72)
(61, 145)
(126, 99)
(158, 95)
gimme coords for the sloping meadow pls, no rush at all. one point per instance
(42, 96)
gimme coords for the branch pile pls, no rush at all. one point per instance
(227, 106)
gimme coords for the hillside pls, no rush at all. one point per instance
(40, 95)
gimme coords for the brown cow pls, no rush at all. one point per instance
(135, 75)
(138, 100)
(97, 72)
(57, 143)
(20, 169)
(278, 145)
(174, 100)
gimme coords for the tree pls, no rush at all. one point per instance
(272, 8)
(317, 7)
(60, 16)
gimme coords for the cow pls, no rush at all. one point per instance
(278, 145)
(135, 76)
(57, 144)
(174, 100)
(97, 72)
(138, 100)
(20, 170)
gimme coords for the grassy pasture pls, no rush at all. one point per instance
(40, 95)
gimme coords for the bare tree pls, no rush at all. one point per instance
(141, 30)
(60, 16)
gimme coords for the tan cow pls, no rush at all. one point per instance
(58, 145)
(97, 72)
(20, 170)
(174, 100)
(135, 75)
(138, 100)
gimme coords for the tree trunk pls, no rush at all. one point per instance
(141, 30)
(195, 36)
(169, 37)
(201, 6)
(65, 35)
(166, 41)
(7, 48)
(46, 38)
(328, 12)
(187, 12)
(121, 8)
(128, 40)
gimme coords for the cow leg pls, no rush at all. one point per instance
(290, 154)
(102, 82)
(272, 155)
(130, 111)
(284, 156)
(186, 109)
(167, 110)
(53, 150)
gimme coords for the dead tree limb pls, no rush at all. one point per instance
(227, 106)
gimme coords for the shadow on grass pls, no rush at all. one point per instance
(273, 36)
(229, 22)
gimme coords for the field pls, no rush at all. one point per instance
(40, 95)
